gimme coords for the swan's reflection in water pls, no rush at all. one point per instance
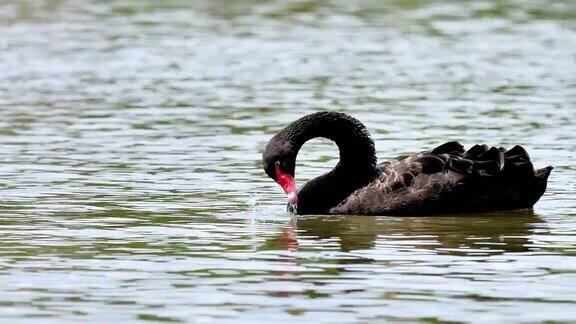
(406, 257)
(473, 234)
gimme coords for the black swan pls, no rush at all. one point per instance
(446, 179)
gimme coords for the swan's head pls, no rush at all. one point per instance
(279, 161)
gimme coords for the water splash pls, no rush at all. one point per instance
(252, 200)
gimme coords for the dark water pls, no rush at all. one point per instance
(130, 140)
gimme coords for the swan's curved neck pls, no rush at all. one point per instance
(350, 135)
(357, 165)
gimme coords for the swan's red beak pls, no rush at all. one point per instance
(286, 181)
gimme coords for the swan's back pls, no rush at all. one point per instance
(449, 179)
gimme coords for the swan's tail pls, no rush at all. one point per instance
(541, 177)
(512, 169)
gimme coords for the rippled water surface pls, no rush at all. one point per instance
(130, 141)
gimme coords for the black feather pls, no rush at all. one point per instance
(450, 147)
(431, 164)
(519, 151)
(475, 151)
(463, 166)
(495, 156)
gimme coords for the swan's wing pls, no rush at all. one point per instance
(446, 178)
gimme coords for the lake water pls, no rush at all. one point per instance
(131, 133)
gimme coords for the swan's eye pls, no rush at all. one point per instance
(277, 163)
